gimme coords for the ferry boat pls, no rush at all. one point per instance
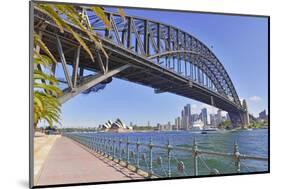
(209, 129)
(197, 125)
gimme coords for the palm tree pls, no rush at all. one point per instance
(46, 90)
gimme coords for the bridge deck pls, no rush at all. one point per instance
(142, 70)
(68, 162)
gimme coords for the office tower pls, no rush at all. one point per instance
(204, 116)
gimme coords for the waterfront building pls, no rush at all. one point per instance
(186, 117)
(227, 117)
(219, 117)
(204, 116)
(195, 117)
(177, 123)
(117, 126)
(262, 115)
(213, 120)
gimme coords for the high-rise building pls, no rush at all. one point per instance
(204, 116)
(227, 117)
(186, 119)
(219, 117)
(213, 120)
(262, 115)
(194, 117)
(178, 123)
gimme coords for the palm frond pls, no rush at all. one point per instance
(42, 45)
(122, 14)
(100, 13)
(48, 10)
(37, 74)
(50, 88)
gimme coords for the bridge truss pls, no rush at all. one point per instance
(142, 51)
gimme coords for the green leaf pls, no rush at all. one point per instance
(100, 13)
(47, 9)
(42, 45)
(50, 88)
(122, 14)
(37, 74)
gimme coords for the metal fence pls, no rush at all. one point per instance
(135, 153)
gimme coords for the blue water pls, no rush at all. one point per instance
(253, 142)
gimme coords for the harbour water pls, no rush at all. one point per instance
(254, 143)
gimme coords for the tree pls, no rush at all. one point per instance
(224, 124)
(46, 90)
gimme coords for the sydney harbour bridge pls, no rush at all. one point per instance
(142, 51)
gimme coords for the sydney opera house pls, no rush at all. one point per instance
(117, 126)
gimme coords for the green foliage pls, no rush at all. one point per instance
(46, 91)
(255, 125)
(100, 13)
(225, 124)
(142, 128)
(45, 103)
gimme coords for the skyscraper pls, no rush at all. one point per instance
(186, 118)
(228, 117)
(213, 120)
(219, 117)
(262, 115)
(178, 123)
(204, 116)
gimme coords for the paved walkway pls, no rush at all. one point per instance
(69, 162)
(42, 146)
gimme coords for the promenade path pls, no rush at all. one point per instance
(42, 146)
(69, 162)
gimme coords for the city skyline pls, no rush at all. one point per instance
(95, 108)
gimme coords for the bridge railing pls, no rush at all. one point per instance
(166, 160)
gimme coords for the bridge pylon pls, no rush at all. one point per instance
(245, 115)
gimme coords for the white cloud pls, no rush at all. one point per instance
(194, 106)
(255, 98)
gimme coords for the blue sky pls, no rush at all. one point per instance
(239, 42)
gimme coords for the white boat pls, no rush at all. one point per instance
(197, 125)
(209, 129)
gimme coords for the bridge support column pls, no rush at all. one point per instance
(245, 115)
(245, 119)
(239, 119)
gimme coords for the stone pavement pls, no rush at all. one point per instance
(69, 162)
(42, 146)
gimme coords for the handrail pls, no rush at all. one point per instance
(116, 148)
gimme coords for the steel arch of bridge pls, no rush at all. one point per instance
(142, 51)
(154, 40)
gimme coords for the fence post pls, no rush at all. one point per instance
(98, 144)
(236, 155)
(95, 143)
(128, 155)
(113, 142)
(150, 160)
(107, 146)
(194, 154)
(169, 158)
(138, 155)
(104, 146)
(120, 151)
